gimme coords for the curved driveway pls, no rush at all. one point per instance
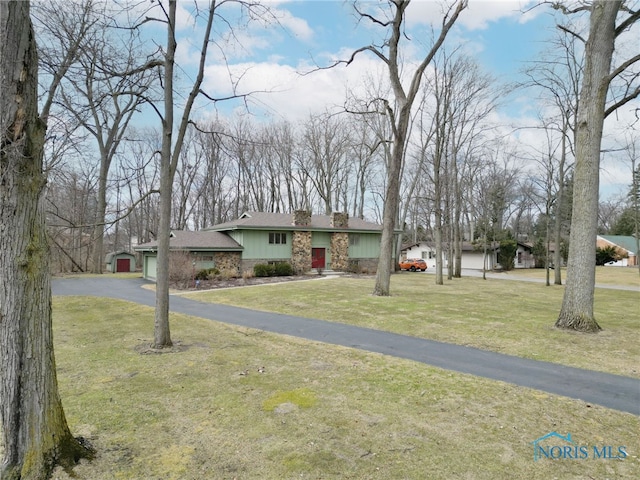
(612, 391)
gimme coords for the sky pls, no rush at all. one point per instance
(276, 60)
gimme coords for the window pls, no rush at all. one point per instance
(354, 239)
(277, 238)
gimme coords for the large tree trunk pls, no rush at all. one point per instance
(34, 429)
(577, 305)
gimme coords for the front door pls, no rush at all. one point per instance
(317, 258)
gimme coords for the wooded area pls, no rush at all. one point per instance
(128, 146)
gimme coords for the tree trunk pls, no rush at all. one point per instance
(390, 212)
(161, 331)
(577, 305)
(557, 254)
(34, 428)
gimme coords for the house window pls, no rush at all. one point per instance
(277, 238)
(426, 255)
(354, 239)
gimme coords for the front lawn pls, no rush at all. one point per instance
(235, 403)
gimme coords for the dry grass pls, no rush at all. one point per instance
(499, 315)
(626, 276)
(236, 403)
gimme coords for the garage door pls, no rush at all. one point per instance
(123, 265)
(150, 267)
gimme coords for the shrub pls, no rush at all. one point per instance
(202, 274)
(282, 269)
(247, 274)
(263, 270)
(181, 271)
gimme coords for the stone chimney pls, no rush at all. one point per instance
(339, 220)
(302, 218)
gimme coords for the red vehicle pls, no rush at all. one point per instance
(413, 264)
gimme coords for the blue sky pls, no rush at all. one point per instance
(496, 32)
(504, 36)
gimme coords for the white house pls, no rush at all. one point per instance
(473, 256)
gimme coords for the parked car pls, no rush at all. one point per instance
(413, 264)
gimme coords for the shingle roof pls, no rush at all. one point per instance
(182, 239)
(284, 221)
(627, 242)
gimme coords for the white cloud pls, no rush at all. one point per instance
(478, 15)
(283, 93)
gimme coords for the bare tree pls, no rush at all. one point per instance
(103, 101)
(558, 78)
(399, 114)
(325, 145)
(576, 312)
(173, 135)
(35, 433)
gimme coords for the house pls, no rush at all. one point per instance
(306, 241)
(120, 262)
(473, 256)
(625, 245)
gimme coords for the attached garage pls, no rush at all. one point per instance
(120, 262)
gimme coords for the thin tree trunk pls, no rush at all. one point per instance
(577, 305)
(557, 254)
(34, 428)
(161, 331)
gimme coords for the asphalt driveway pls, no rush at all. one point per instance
(612, 391)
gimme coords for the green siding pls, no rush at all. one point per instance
(256, 245)
(368, 247)
(321, 240)
(237, 236)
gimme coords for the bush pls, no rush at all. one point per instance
(202, 274)
(282, 269)
(263, 270)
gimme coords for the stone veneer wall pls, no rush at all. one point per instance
(227, 261)
(301, 252)
(339, 220)
(340, 251)
(302, 218)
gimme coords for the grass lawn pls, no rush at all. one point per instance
(234, 403)
(506, 316)
(604, 275)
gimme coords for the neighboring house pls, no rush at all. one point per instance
(625, 245)
(120, 262)
(524, 256)
(473, 256)
(307, 242)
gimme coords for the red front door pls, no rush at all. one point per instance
(123, 265)
(317, 258)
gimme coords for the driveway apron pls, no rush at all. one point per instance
(612, 391)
